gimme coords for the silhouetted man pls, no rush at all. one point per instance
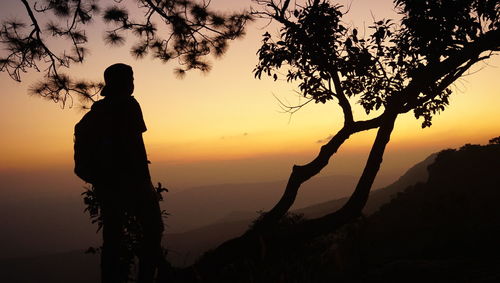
(124, 185)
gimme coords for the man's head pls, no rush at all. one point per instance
(119, 80)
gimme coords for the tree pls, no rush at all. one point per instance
(395, 69)
(186, 30)
(495, 140)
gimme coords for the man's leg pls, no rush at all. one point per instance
(112, 232)
(151, 254)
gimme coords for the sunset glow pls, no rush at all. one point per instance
(227, 114)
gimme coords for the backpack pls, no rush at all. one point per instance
(87, 139)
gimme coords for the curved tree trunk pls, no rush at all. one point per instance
(302, 173)
(354, 206)
(253, 244)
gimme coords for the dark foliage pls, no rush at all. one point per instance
(436, 29)
(495, 140)
(330, 59)
(186, 30)
(25, 47)
(193, 32)
(132, 230)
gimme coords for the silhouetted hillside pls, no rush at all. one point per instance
(454, 214)
(442, 230)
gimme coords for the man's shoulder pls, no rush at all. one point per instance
(133, 105)
(134, 101)
(118, 102)
(127, 101)
(99, 105)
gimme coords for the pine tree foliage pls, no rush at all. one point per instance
(183, 30)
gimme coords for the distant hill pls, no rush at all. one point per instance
(52, 208)
(200, 206)
(187, 246)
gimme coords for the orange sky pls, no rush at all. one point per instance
(204, 120)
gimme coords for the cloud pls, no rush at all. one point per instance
(325, 140)
(245, 134)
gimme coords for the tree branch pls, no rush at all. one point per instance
(443, 84)
(354, 206)
(300, 174)
(434, 71)
(343, 101)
